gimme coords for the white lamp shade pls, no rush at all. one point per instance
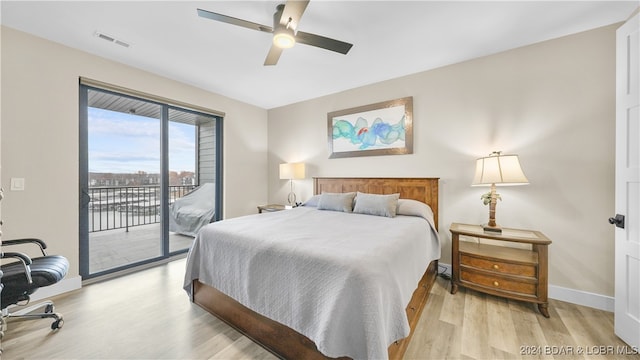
(500, 170)
(292, 171)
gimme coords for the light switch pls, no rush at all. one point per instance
(17, 184)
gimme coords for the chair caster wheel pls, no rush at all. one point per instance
(57, 324)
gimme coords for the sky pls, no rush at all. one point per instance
(124, 143)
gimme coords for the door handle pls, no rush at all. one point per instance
(85, 198)
(618, 221)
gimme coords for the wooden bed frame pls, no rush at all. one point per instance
(285, 342)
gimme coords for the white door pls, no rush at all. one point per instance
(627, 196)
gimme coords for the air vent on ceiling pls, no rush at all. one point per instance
(111, 39)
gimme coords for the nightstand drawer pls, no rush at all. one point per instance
(498, 266)
(498, 283)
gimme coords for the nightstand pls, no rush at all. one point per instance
(514, 273)
(270, 208)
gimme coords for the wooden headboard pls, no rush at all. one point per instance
(421, 189)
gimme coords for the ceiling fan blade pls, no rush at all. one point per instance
(293, 9)
(234, 21)
(323, 42)
(273, 55)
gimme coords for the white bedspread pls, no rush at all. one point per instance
(341, 279)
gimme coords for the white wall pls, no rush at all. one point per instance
(39, 119)
(1, 129)
(552, 103)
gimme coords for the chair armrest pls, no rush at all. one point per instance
(38, 242)
(24, 259)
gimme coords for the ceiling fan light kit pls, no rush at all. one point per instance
(284, 38)
(285, 21)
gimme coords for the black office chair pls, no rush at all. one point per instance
(2, 325)
(23, 277)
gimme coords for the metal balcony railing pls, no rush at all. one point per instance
(122, 207)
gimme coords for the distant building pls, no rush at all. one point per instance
(139, 178)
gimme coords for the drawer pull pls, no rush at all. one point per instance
(495, 266)
(495, 283)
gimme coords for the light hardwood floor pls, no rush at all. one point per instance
(147, 315)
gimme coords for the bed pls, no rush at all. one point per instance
(376, 288)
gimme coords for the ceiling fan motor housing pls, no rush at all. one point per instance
(283, 35)
(277, 16)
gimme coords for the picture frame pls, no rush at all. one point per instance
(384, 128)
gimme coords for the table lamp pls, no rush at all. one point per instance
(497, 170)
(292, 171)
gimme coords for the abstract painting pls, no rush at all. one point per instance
(384, 128)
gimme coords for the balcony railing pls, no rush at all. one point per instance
(125, 206)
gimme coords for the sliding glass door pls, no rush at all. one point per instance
(137, 158)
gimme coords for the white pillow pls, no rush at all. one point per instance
(313, 201)
(379, 205)
(336, 201)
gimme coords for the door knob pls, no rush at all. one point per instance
(618, 221)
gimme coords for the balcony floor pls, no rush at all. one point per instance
(113, 248)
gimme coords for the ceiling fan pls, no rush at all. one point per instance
(285, 21)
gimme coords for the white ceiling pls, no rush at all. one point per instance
(391, 38)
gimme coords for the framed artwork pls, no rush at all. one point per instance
(384, 128)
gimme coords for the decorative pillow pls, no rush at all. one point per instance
(379, 205)
(313, 201)
(336, 201)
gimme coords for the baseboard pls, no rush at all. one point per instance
(578, 297)
(66, 285)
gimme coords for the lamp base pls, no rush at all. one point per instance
(291, 199)
(494, 229)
